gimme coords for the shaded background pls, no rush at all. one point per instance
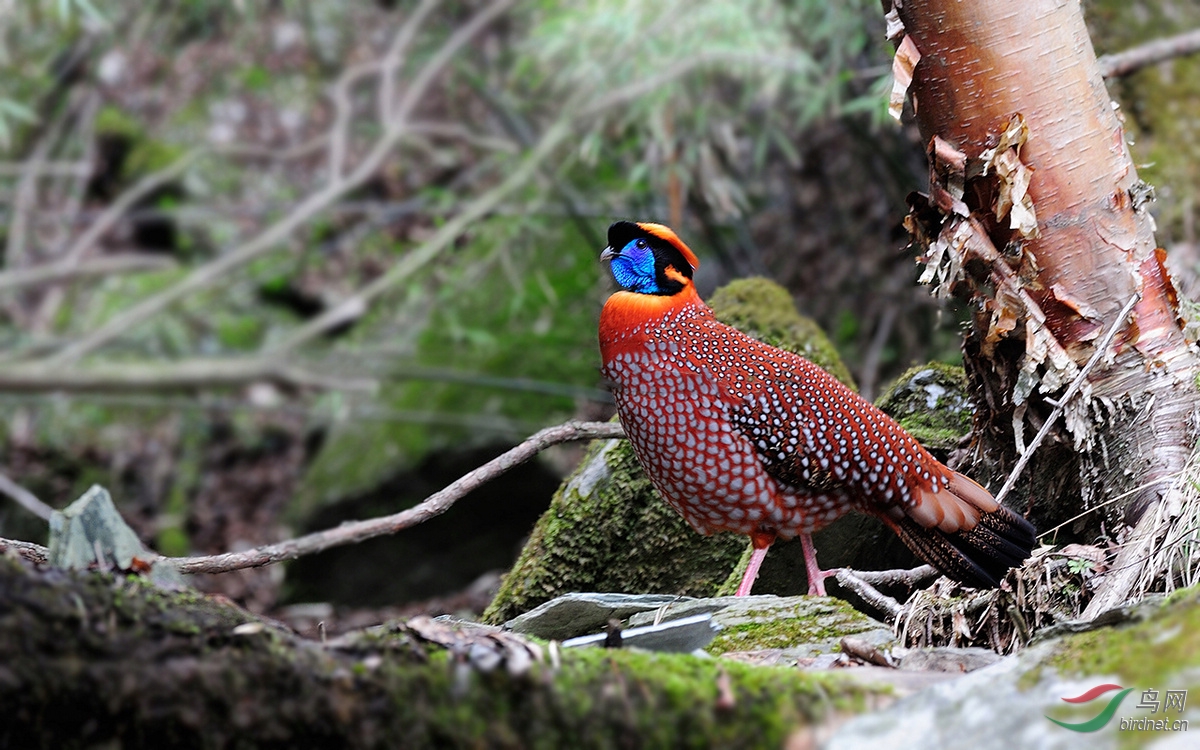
(187, 130)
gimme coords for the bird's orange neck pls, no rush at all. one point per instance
(629, 318)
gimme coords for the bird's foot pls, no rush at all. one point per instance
(816, 581)
(751, 574)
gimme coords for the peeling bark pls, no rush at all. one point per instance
(1036, 213)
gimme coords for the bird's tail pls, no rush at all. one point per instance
(978, 554)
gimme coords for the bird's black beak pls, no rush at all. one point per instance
(608, 254)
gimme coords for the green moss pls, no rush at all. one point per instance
(605, 698)
(1160, 104)
(826, 622)
(106, 656)
(931, 402)
(146, 154)
(1150, 653)
(1161, 652)
(765, 310)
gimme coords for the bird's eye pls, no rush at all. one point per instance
(641, 244)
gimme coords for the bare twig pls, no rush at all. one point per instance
(356, 305)
(1076, 384)
(1151, 53)
(27, 191)
(105, 266)
(34, 553)
(70, 211)
(126, 201)
(140, 377)
(396, 55)
(34, 168)
(25, 498)
(207, 275)
(872, 596)
(897, 577)
(436, 504)
(680, 69)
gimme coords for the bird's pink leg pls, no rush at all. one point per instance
(816, 576)
(762, 542)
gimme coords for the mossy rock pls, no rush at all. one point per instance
(765, 310)
(931, 402)
(93, 659)
(608, 530)
(800, 626)
(1154, 646)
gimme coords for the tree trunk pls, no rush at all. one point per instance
(1036, 212)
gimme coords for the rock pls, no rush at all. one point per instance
(608, 530)
(682, 636)
(798, 626)
(93, 659)
(1012, 702)
(954, 660)
(581, 614)
(90, 532)
(931, 402)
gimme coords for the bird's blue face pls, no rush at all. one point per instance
(633, 267)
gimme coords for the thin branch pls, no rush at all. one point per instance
(434, 505)
(106, 266)
(1076, 384)
(71, 209)
(356, 305)
(851, 580)
(207, 275)
(34, 168)
(186, 374)
(34, 553)
(27, 191)
(25, 498)
(640, 88)
(897, 577)
(1151, 53)
(126, 201)
(459, 132)
(396, 55)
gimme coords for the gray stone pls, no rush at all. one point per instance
(955, 660)
(582, 614)
(681, 636)
(90, 532)
(797, 627)
(985, 710)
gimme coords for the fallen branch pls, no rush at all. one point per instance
(434, 505)
(185, 374)
(34, 553)
(869, 594)
(1151, 53)
(25, 498)
(66, 271)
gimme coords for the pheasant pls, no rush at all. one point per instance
(741, 436)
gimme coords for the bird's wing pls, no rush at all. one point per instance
(815, 435)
